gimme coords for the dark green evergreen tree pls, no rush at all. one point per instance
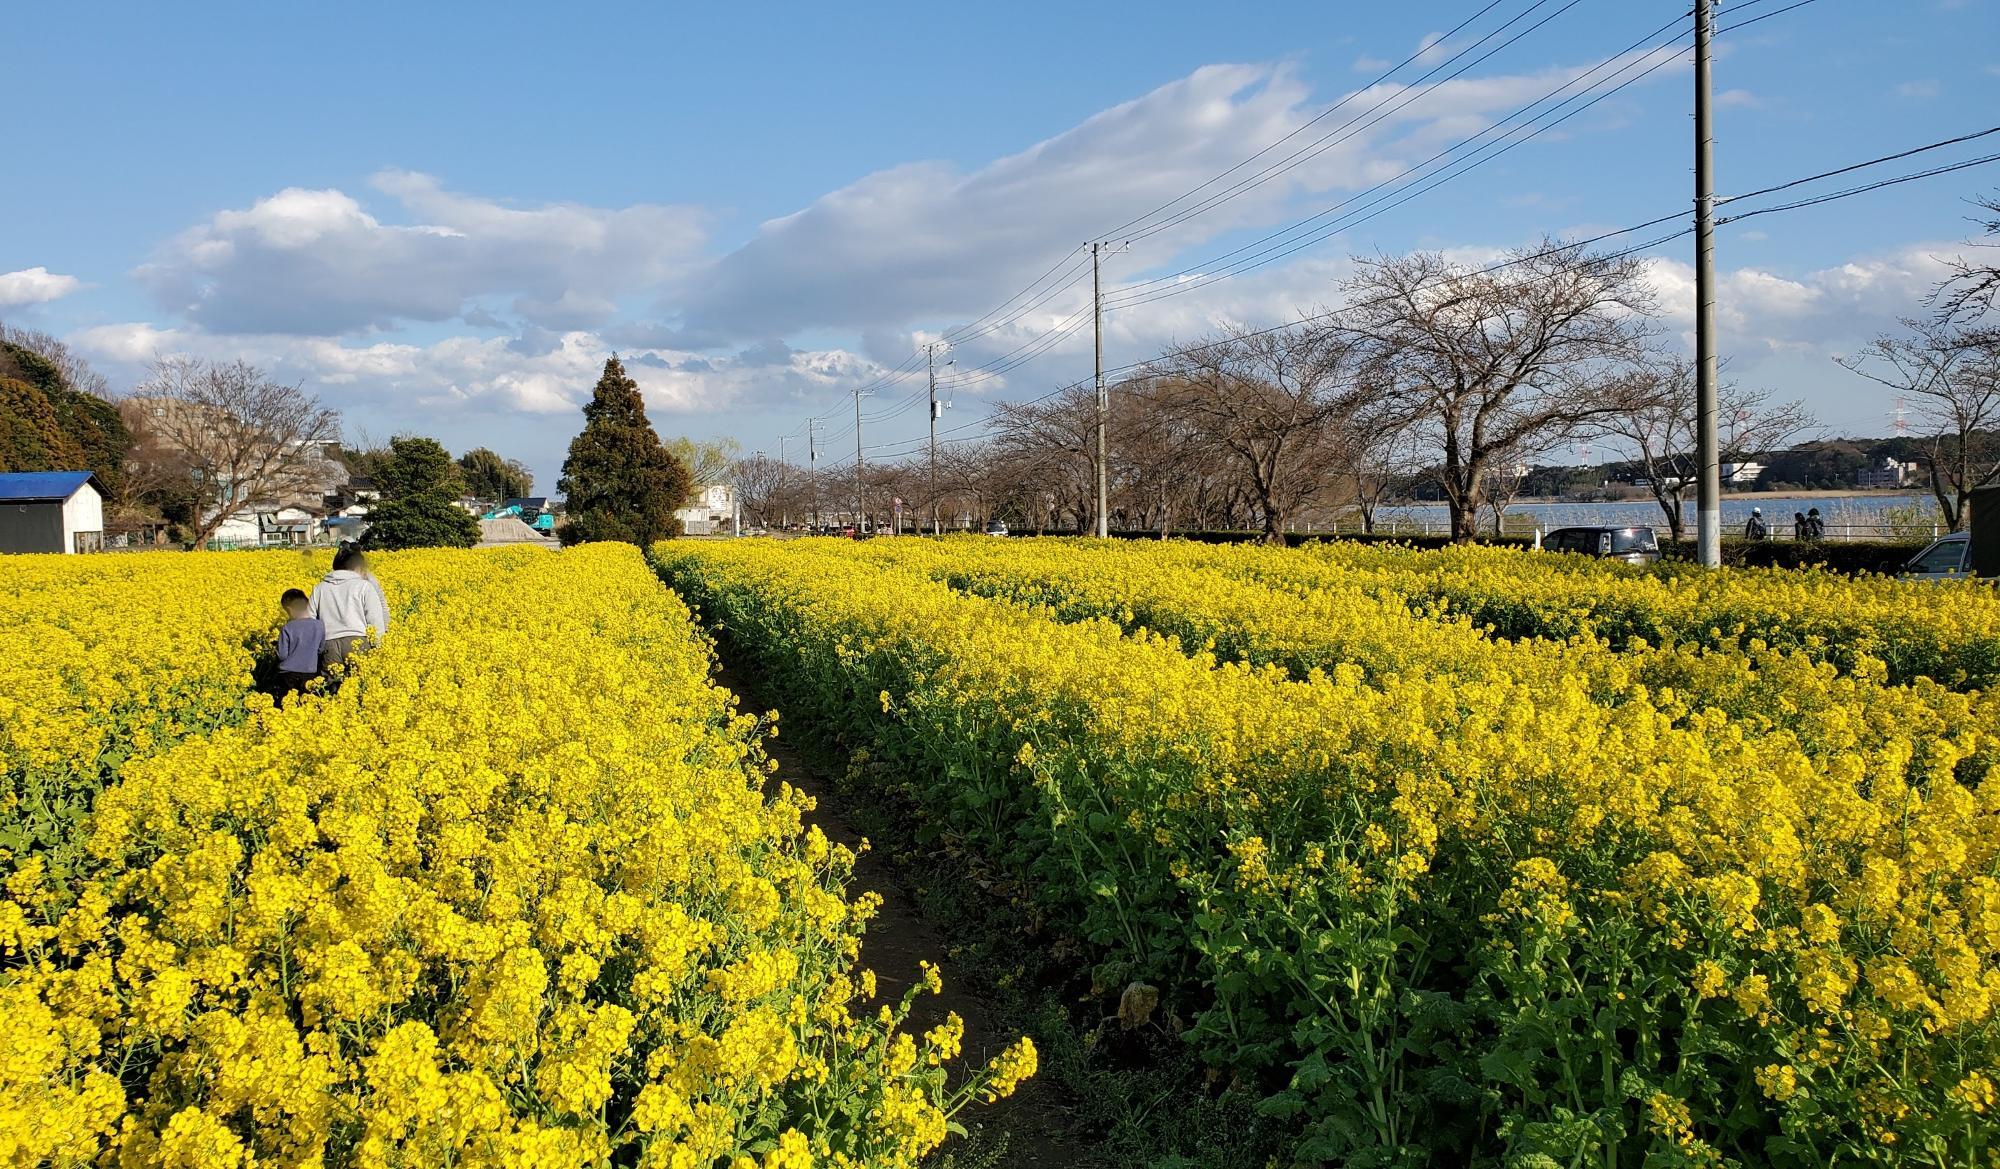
(420, 486)
(48, 425)
(619, 481)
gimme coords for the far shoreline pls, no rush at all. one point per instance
(1884, 493)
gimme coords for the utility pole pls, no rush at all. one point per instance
(812, 467)
(1103, 406)
(1708, 527)
(930, 364)
(857, 460)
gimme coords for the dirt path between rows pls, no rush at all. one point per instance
(1031, 1129)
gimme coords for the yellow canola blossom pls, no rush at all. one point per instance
(512, 895)
(1553, 875)
(110, 658)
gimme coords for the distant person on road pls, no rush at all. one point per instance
(299, 642)
(1815, 525)
(1753, 529)
(349, 601)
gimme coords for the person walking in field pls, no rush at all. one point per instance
(1815, 525)
(1753, 528)
(299, 642)
(1799, 528)
(350, 603)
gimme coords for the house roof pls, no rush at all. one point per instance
(44, 486)
(528, 502)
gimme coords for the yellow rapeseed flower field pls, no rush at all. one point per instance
(1660, 869)
(512, 895)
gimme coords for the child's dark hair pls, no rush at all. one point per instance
(290, 596)
(347, 558)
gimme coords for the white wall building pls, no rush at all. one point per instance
(51, 511)
(713, 510)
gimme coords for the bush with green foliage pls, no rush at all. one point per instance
(420, 486)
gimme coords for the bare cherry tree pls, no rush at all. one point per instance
(1273, 402)
(760, 486)
(1660, 428)
(1499, 363)
(1383, 462)
(1969, 293)
(1163, 458)
(1951, 377)
(230, 438)
(1048, 448)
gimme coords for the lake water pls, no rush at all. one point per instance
(1846, 516)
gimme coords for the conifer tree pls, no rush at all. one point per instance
(620, 483)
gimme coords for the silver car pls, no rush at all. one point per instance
(1945, 559)
(1631, 545)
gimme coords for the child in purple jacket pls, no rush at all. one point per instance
(298, 643)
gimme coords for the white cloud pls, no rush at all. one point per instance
(926, 241)
(1738, 99)
(318, 263)
(539, 372)
(1371, 64)
(35, 285)
(1819, 311)
(1921, 90)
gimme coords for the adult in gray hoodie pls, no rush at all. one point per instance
(349, 602)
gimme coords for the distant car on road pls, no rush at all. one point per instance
(996, 528)
(1945, 559)
(1631, 545)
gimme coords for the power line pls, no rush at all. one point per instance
(1901, 154)
(1865, 188)
(1035, 347)
(1303, 127)
(1280, 246)
(1764, 16)
(1336, 137)
(1123, 297)
(986, 324)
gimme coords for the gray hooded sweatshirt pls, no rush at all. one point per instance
(350, 604)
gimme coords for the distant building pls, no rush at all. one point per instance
(1887, 473)
(713, 510)
(51, 511)
(1742, 474)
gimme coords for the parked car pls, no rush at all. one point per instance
(1945, 559)
(1631, 545)
(996, 528)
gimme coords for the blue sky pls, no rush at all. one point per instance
(441, 217)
